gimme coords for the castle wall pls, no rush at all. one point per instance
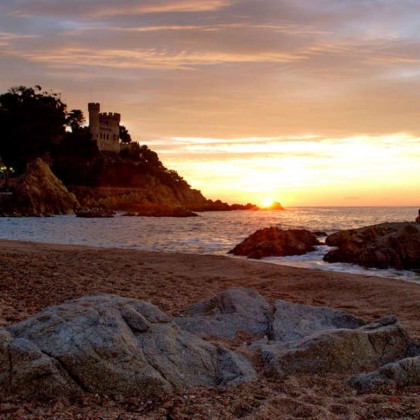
(105, 128)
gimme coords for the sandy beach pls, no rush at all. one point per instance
(34, 276)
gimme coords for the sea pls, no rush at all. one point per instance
(211, 233)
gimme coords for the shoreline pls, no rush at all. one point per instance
(36, 275)
(294, 261)
(215, 233)
(70, 271)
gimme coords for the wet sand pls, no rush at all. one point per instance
(33, 276)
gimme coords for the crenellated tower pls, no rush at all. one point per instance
(105, 128)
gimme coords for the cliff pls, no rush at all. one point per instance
(131, 181)
(136, 181)
(40, 193)
(132, 199)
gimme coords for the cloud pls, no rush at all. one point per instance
(109, 8)
(7, 38)
(233, 68)
(145, 59)
(175, 6)
(299, 92)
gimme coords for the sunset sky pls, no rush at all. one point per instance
(307, 102)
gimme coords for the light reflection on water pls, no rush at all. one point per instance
(211, 233)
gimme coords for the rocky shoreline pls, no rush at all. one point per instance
(386, 245)
(36, 276)
(110, 344)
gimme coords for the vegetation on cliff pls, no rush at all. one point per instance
(36, 123)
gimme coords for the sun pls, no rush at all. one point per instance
(267, 202)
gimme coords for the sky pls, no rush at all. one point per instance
(305, 102)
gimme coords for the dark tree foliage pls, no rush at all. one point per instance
(74, 158)
(32, 121)
(146, 161)
(125, 136)
(75, 119)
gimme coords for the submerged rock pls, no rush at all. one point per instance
(227, 313)
(110, 344)
(339, 350)
(161, 211)
(387, 245)
(95, 212)
(275, 242)
(40, 193)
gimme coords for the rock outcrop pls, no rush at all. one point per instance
(113, 345)
(110, 344)
(40, 193)
(94, 212)
(161, 211)
(236, 309)
(293, 321)
(405, 372)
(275, 242)
(240, 309)
(387, 245)
(339, 350)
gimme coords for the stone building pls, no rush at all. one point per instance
(105, 128)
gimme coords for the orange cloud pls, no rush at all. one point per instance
(169, 7)
(91, 8)
(71, 57)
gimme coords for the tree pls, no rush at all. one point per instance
(124, 135)
(75, 119)
(32, 121)
(150, 157)
(74, 158)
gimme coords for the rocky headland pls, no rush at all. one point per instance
(39, 192)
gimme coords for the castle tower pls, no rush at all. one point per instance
(105, 128)
(94, 109)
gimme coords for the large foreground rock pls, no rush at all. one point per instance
(275, 242)
(228, 312)
(387, 245)
(339, 350)
(39, 192)
(240, 309)
(294, 321)
(110, 344)
(405, 372)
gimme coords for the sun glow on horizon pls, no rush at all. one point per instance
(301, 171)
(267, 202)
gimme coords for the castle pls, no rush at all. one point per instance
(105, 128)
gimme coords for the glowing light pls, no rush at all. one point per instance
(336, 171)
(267, 202)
